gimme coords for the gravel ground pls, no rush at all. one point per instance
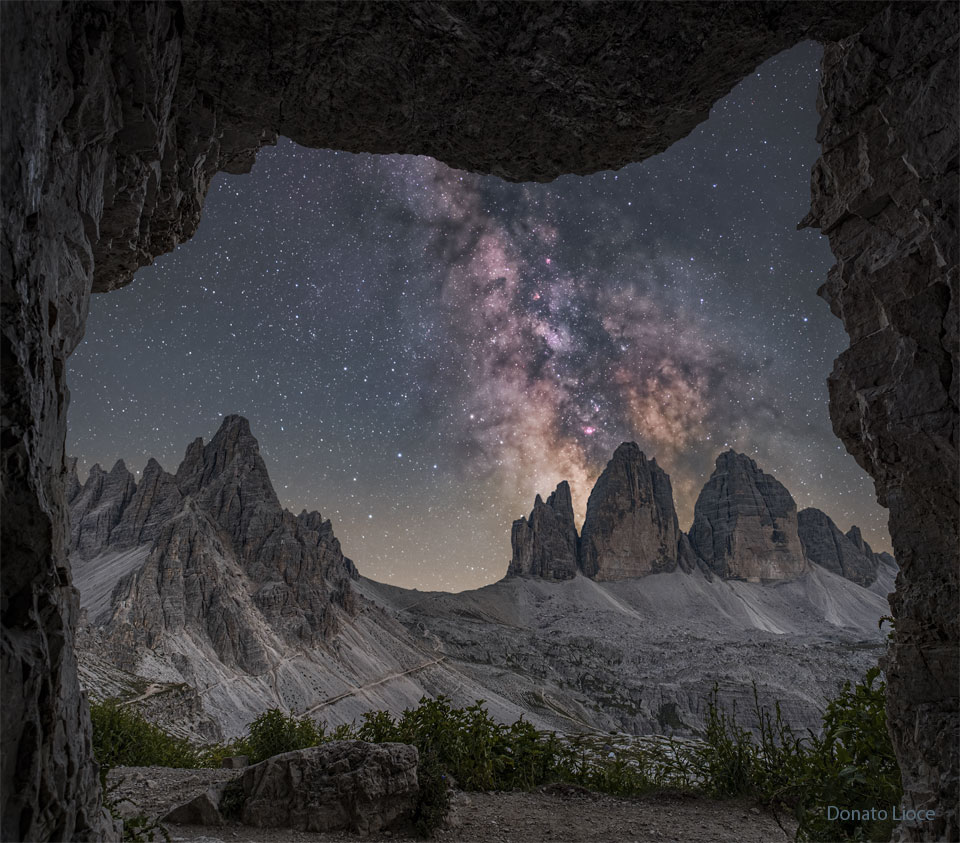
(557, 813)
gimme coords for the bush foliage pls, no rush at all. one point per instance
(850, 764)
(121, 736)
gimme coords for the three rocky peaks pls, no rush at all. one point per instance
(746, 527)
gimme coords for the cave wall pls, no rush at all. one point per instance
(116, 117)
(885, 191)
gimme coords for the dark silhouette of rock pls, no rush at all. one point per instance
(885, 191)
(847, 555)
(745, 523)
(545, 544)
(338, 786)
(630, 529)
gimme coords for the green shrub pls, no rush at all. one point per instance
(231, 803)
(274, 732)
(121, 736)
(851, 766)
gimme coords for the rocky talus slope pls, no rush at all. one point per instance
(202, 593)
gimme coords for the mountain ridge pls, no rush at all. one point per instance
(201, 579)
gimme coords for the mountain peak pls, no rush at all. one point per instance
(745, 523)
(631, 525)
(827, 546)
(234, 422)
(731, 460)
(545, 545)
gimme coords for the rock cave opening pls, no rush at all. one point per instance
(109, 150)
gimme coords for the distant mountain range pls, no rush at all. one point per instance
(745, 527)
(207, 602)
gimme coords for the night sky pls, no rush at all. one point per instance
(421, 350)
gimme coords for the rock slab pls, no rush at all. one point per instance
(546, 545)
(845, 554)
(885, 191)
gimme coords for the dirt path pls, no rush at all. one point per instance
(152, 689)
(357, 690)
(554, 814)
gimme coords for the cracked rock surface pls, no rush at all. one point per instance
(885, 192)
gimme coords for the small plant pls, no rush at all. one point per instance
(852, 765)
(231, 803)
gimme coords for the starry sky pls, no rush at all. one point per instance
(421, 350)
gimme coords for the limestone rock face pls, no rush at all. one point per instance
(97, 508)
(156, 500)
(338, 786)
(545, 544)
(72, 486)
(630, 529)
(687, 559)
(745, 523)
(226, 563)
(848, 555)
(885, 191)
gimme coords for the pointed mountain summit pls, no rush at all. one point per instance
(209, 553)
(545, 544)
(631, 525)
(97, 507)
(156, 500)
(848, 555)
(230, 481)
(745, 523)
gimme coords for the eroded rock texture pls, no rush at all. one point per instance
(631, 525)
(745, 523)
(116, 117)
(845, 554)
(885, 192)
(545, 545)
(343, 785)
(217, 560)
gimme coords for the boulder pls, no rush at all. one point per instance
(203, 809)
(338, 786)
